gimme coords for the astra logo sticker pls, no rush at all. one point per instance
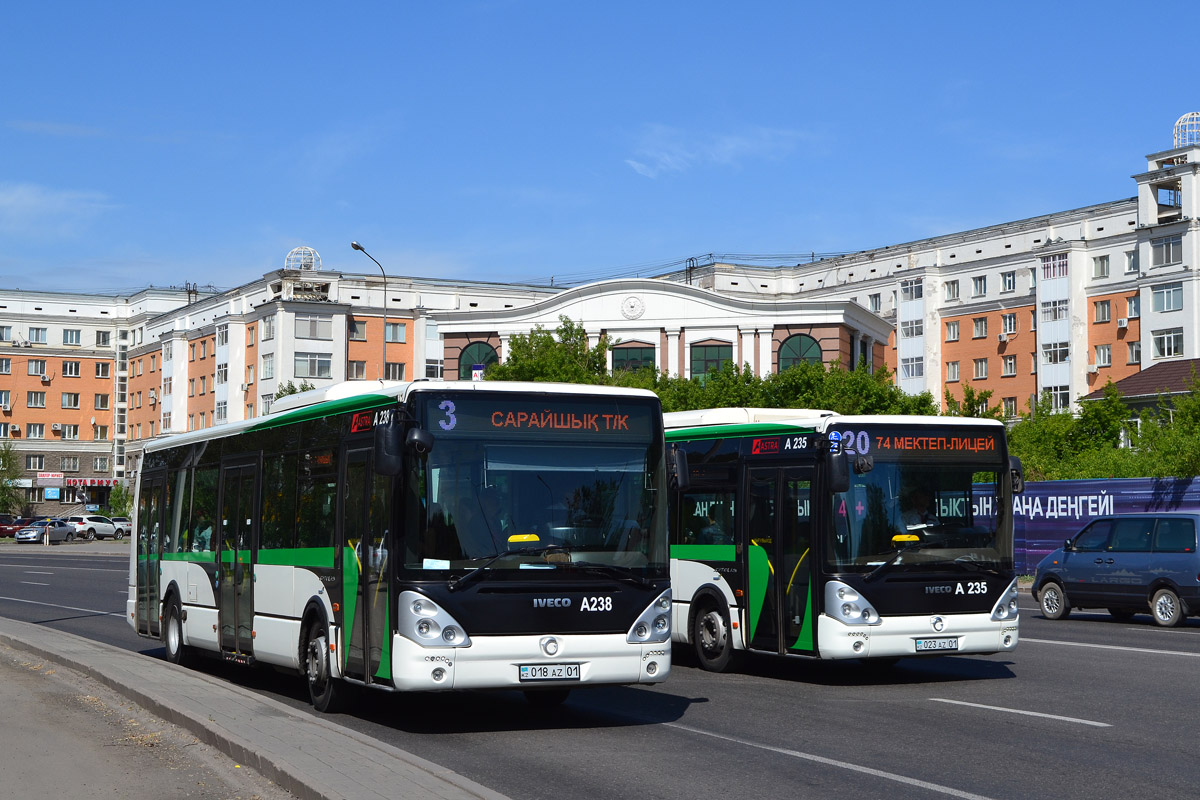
(763, 446)
(362, 421)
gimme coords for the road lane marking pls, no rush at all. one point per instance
(1157, 629)
(829, 762)
(34, 583)
(35, 572)
(1113, 647)
(1019, 711)
(56, 605)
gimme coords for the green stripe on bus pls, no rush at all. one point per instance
(704, 552)
(760, 577)
(204, 556)
(360, 402)
(349, 600)
(804, 638)
(298, 557)
(734, 431)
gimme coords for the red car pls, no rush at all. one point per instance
(9, 524)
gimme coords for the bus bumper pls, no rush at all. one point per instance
(973, 634)
(494, 662)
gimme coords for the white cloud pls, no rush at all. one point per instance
(663, 149)
(36, 212)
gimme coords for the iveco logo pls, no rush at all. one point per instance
(937, 623)
(551, 602)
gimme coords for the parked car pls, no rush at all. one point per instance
(1127, 563)
(34, 532)
(124, 526)
(93, 526)
(10, 524)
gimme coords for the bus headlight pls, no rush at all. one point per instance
(846, 605)
(653, 625)
(425, 622)
(1006, 607)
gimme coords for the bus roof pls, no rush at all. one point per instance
(706, 423)
(739, 416)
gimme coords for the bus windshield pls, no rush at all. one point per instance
(577, 481)
(914, 510)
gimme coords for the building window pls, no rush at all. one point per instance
(35, 462)
(166, 352)
(153, 363)
(1104, 355)
(102, 369)
(1168, 343)
(1133, 307)
(951, 371)
(1135, 353)
(71, 336)
(203, 385)
(268, 328)
(70, 369)
(1008, 323)
(480, 353)
(707, 357)
(912, 367)
(911, 329)
(911, 290)
(5, 333)
(981, 368)
(313, 327)
(1008, 366)
(37, 366)
(394, 371)
(1100, 267)
(191, 387)
(68, 463)
(249, 374)
(251, 332)
(35, 430)
(268, 367)
(204, 348)
(37, 335)
(356, 330)
(100, 402)
(1054, 266)
(35, 400)
(311, 365)
(1060, 397)
(220, 412)
(952, 331)
(979, 286)
(70, 400)
(101, 433)
(1056, 352)
(1054, 309)
(1010, 407)
(951, 290)
(100, 464)
(166, 386)
(356, 370)
(1165, 251)
(1131, 261)
(5, 366)
(798, 349)
(395, 332)
(222, 374)
(631, 359)
(1008, 281)
(192, 352)
(5, 400)
(1168, 297)
(980, 327)
(1103, 310)
(222, 336)
(874, 303)
(166, 421)
(434, 368)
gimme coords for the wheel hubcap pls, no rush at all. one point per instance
(1051, 601)
(317, 664)
(1165, 607)
(173, 634)
(712, 633)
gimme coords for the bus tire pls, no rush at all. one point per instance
(1054, 601)
(1166, 608)
(325, 691)
(172, 634)
(546, 698)
(711, 637)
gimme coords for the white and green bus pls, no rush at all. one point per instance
(807, 533)
(415, 536)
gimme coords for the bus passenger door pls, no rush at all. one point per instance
(366, 509)
(235, 569)
(149, 527)
(778, 559)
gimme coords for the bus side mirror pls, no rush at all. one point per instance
(839, 471)
(389, 457)
(681, 478)
(1018, 474)
(420, 441)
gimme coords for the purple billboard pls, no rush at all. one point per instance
(1051, 511)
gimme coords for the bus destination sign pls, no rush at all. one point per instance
(595, 417)
(926, 443)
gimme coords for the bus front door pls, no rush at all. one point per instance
(778, 561)
(235, 570)
(366, 505)
(149, 528)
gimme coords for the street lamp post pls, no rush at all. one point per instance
(363, 250)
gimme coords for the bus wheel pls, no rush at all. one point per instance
(1167, 611)
(710, 636)
(547, 698)
(172, 633)
(323, 689)
(1054, 601)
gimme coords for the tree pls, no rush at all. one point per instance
(120, 501)
(973, 404)
(564, 355)
(284, 389)
(11, 497)
(1169, 437)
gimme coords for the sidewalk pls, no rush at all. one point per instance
(309, 756)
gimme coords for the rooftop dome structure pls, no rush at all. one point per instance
(1187, 130)
(304, 258)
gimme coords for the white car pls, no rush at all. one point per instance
(124, 526)
(94, 526)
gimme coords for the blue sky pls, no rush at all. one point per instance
(160, 143)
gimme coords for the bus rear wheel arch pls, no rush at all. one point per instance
(711, 635)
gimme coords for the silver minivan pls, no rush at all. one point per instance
(1128, 564)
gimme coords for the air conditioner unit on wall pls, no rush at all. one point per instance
(1002, 337)
(56, 426)
(14, 428)
(245, 387)
(1093, 368)
(5, 407)
(1123, 322)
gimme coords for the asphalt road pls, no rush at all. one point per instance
(1086, 708)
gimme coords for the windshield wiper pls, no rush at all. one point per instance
(621, 573)
(882, 568)
(456, 583)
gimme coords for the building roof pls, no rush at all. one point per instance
(1168, 377)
